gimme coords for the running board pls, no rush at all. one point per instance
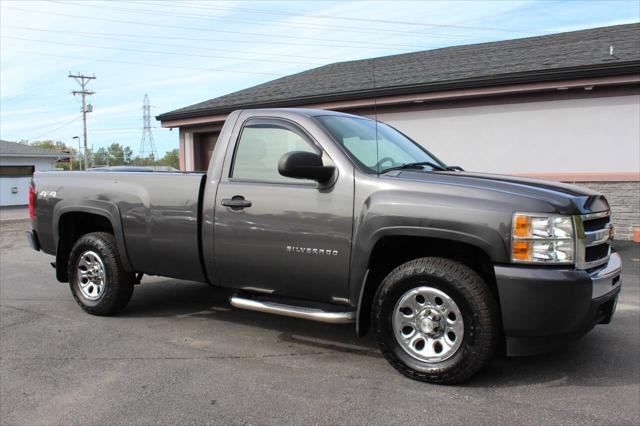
(293, 311)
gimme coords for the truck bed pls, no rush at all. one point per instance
(158, 212)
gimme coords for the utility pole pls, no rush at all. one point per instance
(83, 80)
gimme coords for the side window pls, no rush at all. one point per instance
(260, 148)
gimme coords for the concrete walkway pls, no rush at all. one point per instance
(14, 213)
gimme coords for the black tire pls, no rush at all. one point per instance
(118, 286)
(474, 300)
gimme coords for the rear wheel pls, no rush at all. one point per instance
(435, 320)
(98, 282)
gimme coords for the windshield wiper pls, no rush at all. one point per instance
(417, 165)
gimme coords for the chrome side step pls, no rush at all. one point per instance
(293, 311)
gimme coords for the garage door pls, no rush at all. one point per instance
(14, 185)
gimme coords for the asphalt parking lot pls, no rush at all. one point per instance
(180, 355)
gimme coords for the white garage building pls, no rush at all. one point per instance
(17, 163)
(563, 106)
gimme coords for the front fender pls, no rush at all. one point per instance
(481, 223)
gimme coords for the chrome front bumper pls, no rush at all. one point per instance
(607, 279)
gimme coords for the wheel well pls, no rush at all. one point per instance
(391, 252)
(72, 226)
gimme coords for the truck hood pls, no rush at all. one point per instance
(566, 198)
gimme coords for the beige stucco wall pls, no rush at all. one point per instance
(595, 135)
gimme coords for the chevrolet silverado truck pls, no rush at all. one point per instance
(332, 217)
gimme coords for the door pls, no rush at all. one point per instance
(278, 234)
(203, 149)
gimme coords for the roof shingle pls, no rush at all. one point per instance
(525, 59)
(20, 149)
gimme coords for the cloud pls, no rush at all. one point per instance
(35, 90)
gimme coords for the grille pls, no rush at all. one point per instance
(596, 224)
(594, 240)
(595, 253)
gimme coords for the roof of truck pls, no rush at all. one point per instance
(576, 54)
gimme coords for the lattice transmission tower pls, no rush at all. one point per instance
(147, 146)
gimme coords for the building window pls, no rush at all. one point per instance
(16, 171)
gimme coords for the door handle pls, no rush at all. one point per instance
(237, 202)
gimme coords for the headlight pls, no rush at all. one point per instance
(542, 238)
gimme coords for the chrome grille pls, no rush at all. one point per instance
(594, 235)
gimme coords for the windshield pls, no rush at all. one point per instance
(358, 137)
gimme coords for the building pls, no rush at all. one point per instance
(563, 106)
(18, 162)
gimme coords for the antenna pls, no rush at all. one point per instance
(375, 112)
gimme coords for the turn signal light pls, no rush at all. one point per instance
(521, 251)
(522, 226)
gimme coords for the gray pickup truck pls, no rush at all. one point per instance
(332, 217)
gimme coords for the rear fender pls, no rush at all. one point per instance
(101, 208)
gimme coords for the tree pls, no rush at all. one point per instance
(114, 155)
(101, 157)
(149, 161)
(56, 146)
(171, 159)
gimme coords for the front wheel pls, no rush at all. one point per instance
(435, 320)
(98, 282)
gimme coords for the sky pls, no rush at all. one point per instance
(185, 52)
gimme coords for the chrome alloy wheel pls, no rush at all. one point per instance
(92, 278)
(428, 324)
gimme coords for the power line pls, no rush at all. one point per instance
(120, 21)
(31, 52)
(253, 21)
(156, 51)
(116, 131)
(123, 37)
(162, 66)
(336, 17)
(251, 42)
(37, 53)
(56, 128)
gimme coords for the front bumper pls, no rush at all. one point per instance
(544, 308)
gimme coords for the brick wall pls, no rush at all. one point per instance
(624, 198)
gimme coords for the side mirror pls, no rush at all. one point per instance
(305, 165)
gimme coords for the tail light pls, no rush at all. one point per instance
(32, 202)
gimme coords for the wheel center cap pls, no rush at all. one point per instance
(430, 324)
